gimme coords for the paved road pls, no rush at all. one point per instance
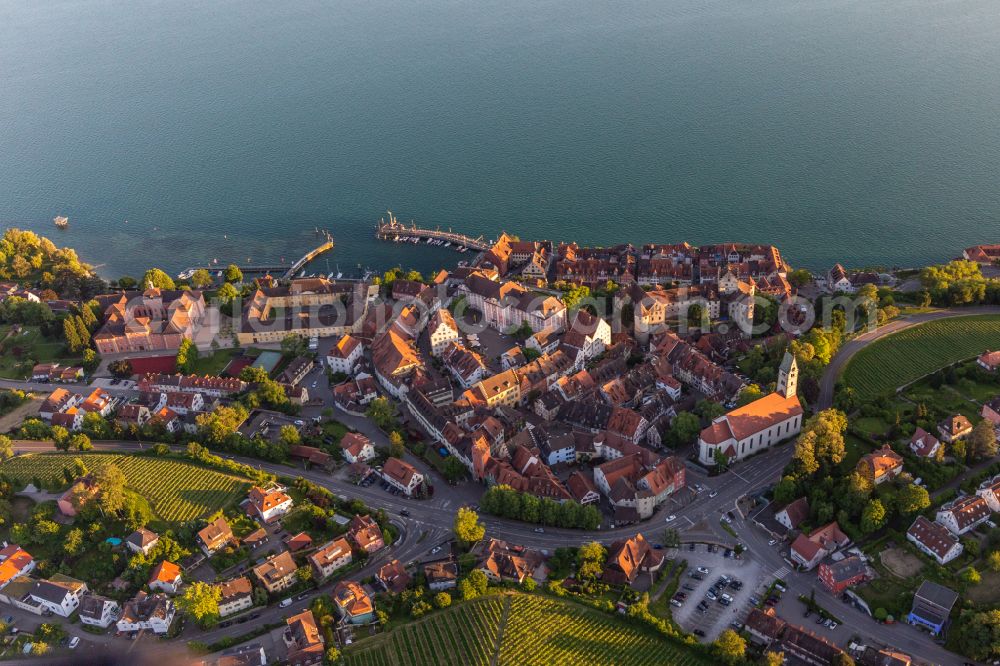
(856, 344)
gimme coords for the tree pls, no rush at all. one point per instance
(304, 574)
(6, 447)
(529, 585)
(331, 656)
(232, 274)
(721, 459)
(993, 561)
(983, 441)
(121, 368)
(111, 484)
(381, 412)
(442, 600)
(72, 335)
(73, 541)
(730, 647)
(590, 561)
(685, 427)
(971, 576)
(873, 517)
(842, 659)
(289, 436)
(774, 658)
(154, 277)
(294, 345)
(187, 356)
(227, 293)
(824, 434)
(468, 529)
(201, 278)
(396, 447)
(800, 277)
(785, 490)
(979, 634)
(454, 471)
(709, 409)
(912, 498)
(748, 395)
(80, 442)
(201, 601)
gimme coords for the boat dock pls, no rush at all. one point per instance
(309, 256)
(259, 270)
(393, 230)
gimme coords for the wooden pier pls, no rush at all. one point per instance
(393, 230)
(309, 256)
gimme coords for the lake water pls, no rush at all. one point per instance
(855, 131)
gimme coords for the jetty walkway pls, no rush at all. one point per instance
(394, 230)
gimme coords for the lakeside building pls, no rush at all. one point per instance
(309, 307)
(151, 320)
(507, 305)
(757, 425)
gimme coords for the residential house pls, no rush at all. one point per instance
(303, 641)
(989, 360)
(330, 557)
(442, 331)
(59, 594)
(268, 505)
(464, 364)
(954, 427)
(925, 445)
(628, 558)
(353, 604)
(357, 447)
(80, 493)
(165, 577)
(441, 575)
(934, 539)
(142, 541)
(757, 425)
(344, 356)
(393, 578)
(98, 611)
(503, 388)
(209, 385)
(964, 514)
(792, 514)
(808, 550)
(983, 254)
(837, 280)
(277, 573)
(296, 542)
(848, 572)
(215, 536)
(402, 475)
(989, 490)
(14, 562)
(932, 604)
(133, 414)
(502, 562)
(237, 595)
(365, 534)
(582, 488)
(296, 370)
(154, 612)
(881, 465)
(628, 482)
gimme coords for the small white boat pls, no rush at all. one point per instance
(60, 221)
(448, 244)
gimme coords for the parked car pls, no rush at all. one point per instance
(711, 595)
(697, 576)
(285, 603)
(671, 518)
(699, 633)
(724, 601)
(703, 570)
(73, 642)
(540, 530)
(713, 493)
(674, 602)
(689, 587)
(833, 625)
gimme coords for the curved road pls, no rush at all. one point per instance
(856, 344)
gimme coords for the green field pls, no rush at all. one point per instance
(912, 353)
(23, 350)
(177, 491)
(532, 630)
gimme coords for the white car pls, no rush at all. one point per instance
(285, 603)
(833, 625)
(772, 542)
(703, 570)
(73, 642)
(671, 518)
(713, 493)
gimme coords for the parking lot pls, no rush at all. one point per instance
(737, 579)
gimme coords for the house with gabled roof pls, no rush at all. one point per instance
(303, 640)
(268, 505)
(215, 536)
(153, 612)
(954, 427)
(353, 604)
(330, 557)
(142, 541)
(934, 539)
(792, 514)
(880, 465)
(14, 562)
(165, 577)
(402, 475)
(98, 611)
(628, 558)
(277, 572)
(237, 595)
(809, 550)
(964, 514)
(924, 445)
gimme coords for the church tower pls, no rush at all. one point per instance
(788, 376)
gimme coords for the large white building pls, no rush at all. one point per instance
(756, 426)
